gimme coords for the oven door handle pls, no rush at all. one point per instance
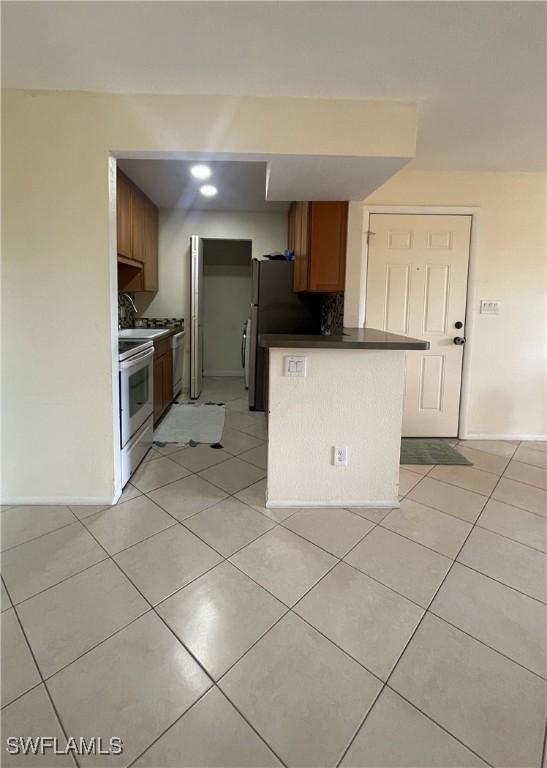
(133, 362)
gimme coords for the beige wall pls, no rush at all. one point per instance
(267, 231)
(227, 292)
(505, 353)
(60, 428)
(350, 398)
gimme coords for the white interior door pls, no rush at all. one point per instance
(196, 316)
(417, 286)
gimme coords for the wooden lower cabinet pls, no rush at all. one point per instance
(167, 375)
(158, 388)
(163, 377)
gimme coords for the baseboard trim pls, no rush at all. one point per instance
(239, 373)
(65, 501)
(502, 436)
(345, 504)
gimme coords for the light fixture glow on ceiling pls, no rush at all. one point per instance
(200, 171)
(207, 190)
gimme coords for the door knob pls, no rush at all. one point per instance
(459, 340)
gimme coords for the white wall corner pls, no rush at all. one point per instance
(354, 299)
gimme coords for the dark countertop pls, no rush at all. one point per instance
(348, 338)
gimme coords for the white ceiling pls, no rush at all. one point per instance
(258, 182)
(476, 68)
(169, 183)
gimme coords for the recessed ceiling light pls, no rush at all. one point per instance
(208, 190)
(201, 172)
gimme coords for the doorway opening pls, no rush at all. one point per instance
(221, 298)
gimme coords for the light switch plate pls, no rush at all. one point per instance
(296, 365)
(490, 307)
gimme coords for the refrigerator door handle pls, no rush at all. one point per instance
(243, 343)
(253, 357)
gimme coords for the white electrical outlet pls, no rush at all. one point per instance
(340, 455)
(295, 366)
(490, 307)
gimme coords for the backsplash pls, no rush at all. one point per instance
(128, 318)
(159, 322)
(332, 312)
(126, 311)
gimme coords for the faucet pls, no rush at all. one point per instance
(127, 295)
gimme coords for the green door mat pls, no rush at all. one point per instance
(417, 450)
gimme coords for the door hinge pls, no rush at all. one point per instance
(368, 234)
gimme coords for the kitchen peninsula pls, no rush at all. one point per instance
(334, 417)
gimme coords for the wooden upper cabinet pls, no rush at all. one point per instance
(137, 235)
(123, 215)
(137, 224)
(150, 246)
(320, 230)
(290, 228)
(298, 242)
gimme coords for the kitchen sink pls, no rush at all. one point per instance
(143, 333)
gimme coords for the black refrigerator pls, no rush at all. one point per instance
(275, 308)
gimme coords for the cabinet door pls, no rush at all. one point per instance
(158, 387)
(123, 214)
(300, 280)
(150, 246)
(328, 222)
(167, 360)
(137, 224)
(291, 227)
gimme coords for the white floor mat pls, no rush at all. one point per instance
(183, 423)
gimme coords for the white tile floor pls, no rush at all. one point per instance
(206, 630)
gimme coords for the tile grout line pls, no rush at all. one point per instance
(470, 567)
(426, 612)
(469, 522)
(503, 584)
(153, 609)
(439, 725)
(215, 684)
(523, 482)
(224, 559)
(482, 642)
(57, 583)
(42, 682)
(151, 605)
(544, 748)
(200, 697)
(35, 538)
(515, 541)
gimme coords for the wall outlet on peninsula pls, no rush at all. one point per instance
(340, 455)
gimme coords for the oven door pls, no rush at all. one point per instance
(136, 392)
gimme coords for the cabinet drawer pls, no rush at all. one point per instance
(162, 347)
